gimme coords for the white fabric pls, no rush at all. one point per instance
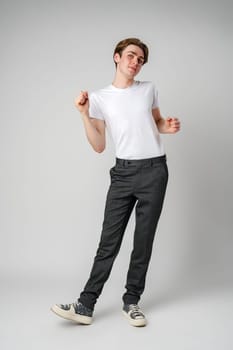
(128, 116)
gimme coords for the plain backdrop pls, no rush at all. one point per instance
(54, 185)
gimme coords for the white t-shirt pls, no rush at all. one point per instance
(127, 113)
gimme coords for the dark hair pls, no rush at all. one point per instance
(131, 41)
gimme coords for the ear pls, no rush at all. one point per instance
(117, 57)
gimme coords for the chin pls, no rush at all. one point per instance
(132, 75)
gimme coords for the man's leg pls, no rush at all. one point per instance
(150, 193)
(118, 208)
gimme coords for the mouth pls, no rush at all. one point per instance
(133, 69)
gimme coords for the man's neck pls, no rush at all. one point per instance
(122, 83)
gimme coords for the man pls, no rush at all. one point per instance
(130, 110)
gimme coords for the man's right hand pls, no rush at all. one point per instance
(82, 102)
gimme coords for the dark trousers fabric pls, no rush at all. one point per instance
(142, 182)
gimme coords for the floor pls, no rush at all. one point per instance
(184, 321)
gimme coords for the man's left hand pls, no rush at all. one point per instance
(172, 125)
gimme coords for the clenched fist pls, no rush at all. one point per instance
(172, 125)
(82, 102)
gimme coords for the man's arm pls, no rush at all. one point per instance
(165, 126)
(94, 128)
(95, 131)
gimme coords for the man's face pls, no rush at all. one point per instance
(130, 61)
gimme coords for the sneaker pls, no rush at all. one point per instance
(76, 312)
(134, 314)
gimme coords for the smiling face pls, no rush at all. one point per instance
(130, 62)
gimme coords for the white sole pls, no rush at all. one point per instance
(71, 315)
(136, 323)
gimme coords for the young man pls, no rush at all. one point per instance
(130, 110)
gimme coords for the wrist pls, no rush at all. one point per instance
(85, 115)
(161, 126)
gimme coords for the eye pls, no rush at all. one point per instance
(140, 61)
(130, 56)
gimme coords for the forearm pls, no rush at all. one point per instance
(93, 135)
(161, 125)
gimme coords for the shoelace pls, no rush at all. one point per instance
(65, 306)
(135, 311)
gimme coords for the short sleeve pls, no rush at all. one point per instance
(155, 103)
(94, 108)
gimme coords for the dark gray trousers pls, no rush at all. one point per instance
(143, 182)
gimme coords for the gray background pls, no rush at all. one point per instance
(53, 185)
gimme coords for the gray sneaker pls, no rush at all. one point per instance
(134, 315)
(76, 312)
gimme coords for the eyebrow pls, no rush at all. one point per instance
(135, 54)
